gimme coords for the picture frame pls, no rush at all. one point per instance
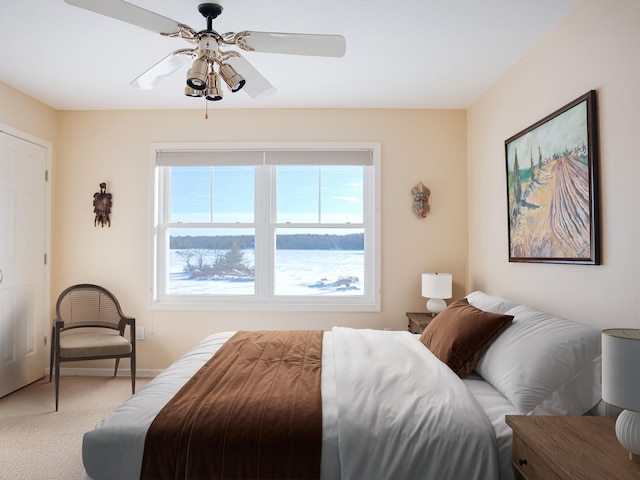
(553, 188)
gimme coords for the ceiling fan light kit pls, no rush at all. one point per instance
(214, 88)
(202, 78)
(192, 92)
(232, 78)
(197, 74)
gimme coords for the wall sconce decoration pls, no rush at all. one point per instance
(102, 206)
(421, 199)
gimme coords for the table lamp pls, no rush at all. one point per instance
(436, 287)
(621, 383)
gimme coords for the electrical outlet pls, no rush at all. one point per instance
(139, 333)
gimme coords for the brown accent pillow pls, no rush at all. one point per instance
(461, 333)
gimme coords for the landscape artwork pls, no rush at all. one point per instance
(552, 187)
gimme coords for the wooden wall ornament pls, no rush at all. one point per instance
(420, 199)
(102, 206)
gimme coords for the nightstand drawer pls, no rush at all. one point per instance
(418, 321)
(568, 448)
(527, 465)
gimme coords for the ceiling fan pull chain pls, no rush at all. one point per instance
(206, 110)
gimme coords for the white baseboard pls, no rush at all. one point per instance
(105, 372)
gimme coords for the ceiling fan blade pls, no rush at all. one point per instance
(293, 43)
(164, 68)
(126, 12)
(256, 85)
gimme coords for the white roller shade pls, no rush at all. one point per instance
(167, 158)
(263, 157)
(318, 157)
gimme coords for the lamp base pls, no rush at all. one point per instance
(436, 305)
(627, 431)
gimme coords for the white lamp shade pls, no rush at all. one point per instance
(621, 367)
(436, 285)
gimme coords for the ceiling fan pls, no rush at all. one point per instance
(209, 62)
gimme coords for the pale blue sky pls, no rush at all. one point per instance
(332, 194)
(563, 132)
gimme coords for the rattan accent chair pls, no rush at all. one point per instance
(90, 325)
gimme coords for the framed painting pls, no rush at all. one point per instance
(552, 187)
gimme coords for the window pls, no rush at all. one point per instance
(273, 226)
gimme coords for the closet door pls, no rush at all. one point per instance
(22, 262)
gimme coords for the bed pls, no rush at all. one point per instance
(391, 407)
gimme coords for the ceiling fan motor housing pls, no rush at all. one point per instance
(208, 46)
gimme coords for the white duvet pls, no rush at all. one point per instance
(391, 410)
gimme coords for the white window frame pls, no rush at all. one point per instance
(158, 238)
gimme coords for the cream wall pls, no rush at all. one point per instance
(113, 146)
(597, 47)
(27, 115)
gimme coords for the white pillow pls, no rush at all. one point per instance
(489, 303)
(545, 365)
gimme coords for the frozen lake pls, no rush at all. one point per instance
(298, 272)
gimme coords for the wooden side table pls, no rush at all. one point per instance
(419, 320)
(550, 447)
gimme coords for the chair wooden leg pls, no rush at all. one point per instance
(53, 351)
(133, 375)
(57, 380)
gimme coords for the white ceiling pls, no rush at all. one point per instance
(402, 54)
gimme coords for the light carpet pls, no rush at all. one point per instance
(38, 443)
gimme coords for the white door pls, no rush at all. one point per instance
(22, 262)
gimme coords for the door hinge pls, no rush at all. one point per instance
(45, 258)
(46, 175)
(45, 340)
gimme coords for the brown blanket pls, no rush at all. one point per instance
(253, 411)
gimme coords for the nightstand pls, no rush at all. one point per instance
(550, 447)
(418, 321)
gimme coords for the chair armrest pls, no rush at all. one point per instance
(124, 321)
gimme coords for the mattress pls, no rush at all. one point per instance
(394, 424)
(495, 406)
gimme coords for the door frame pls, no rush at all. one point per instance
(48, 146)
